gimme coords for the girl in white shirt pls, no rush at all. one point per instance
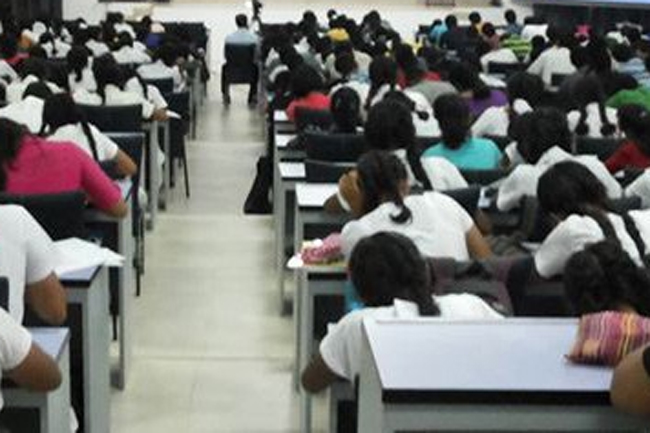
(437, 225)
(394, 282)
(126, 53)
(573, 196)
(81, 76)
(525, 91)
(63, 121)
(544, 139)
(592, 119)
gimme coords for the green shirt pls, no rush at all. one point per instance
(638, 96)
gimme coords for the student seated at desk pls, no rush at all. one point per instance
(525, 91)
(458, 146)
(27, 259)
(345, 107)
(112, 91)
(634, 152)
(592, 118)
(394, 282)
(125, 52)
(24, 362)
(471, 87)
(32, 70)
(437, 225)
(164, 67)
(29, 110)
(603, 277)
(307, 86)
(574, 196)
(62, 121)
(32, 165)
(81, 75)
(630, 390)
(545, 141)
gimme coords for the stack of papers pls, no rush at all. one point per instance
(75, 254)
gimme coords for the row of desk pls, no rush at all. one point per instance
(509, 375)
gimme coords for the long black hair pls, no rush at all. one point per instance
(603, 277)
(107, 71)
(77, 59)
(60, 110)
(452, 113)
(11, 137)
(345, 106)
(382, 70)
(388, 266)
(539, 131)
(586, 91)
(464, 78)
(569, 188)
(381, 178)
(389, 126)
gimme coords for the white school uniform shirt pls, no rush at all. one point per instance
(28, 112)
(522, 181)
(16, 89)
(27, 254)
(341, 347)
(128, 54)
(62, 49)
(438, 226)
(502, 55)
(97, 48)
(15, 344)
(124, 27)
(496, 120)
(531, 30)
(7, 71)
(87, 81)
(106, 148)
(573, 235)
(442, 174)
(640, 188)
(153, 94)
(554, 60)
(593, 120)
(115, 97)
(159, 70)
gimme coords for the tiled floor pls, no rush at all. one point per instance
(212, 354)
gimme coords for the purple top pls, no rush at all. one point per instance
(496, 99)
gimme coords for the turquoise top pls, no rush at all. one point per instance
(473, 154)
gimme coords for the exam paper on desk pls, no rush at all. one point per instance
(75, 254)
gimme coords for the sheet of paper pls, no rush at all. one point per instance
(75, 254)
(314, 194)
(282, 140)
(292, 170)
(280, 116)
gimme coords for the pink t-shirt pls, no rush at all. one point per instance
(314, 101)
(43, 168)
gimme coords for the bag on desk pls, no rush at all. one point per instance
(605, 338)
(257, 201)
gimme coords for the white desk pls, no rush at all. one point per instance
(87, 293)
(121, 230)
(508, 375)
(54, 406)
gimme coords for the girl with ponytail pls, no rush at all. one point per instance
(571, 195)
(63, 121)
(438, 225)
(592, 118)
(81, 76)
(383, 79)
(394, 281)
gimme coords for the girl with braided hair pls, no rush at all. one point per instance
(394, 281)
(592, 118)
(437, 225)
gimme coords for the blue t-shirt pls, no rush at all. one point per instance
(474, 154)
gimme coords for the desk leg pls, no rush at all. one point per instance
(371, 408)
(55, 416)
(95, 342)
(167, 166)
(279, 212)
(154, 175)
(304, 346)
(126, 293)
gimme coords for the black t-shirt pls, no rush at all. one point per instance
(646, 360)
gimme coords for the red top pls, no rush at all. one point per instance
(627, 156)
(314, 101)
(43, 167)
(15, 60)
(428, 76)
